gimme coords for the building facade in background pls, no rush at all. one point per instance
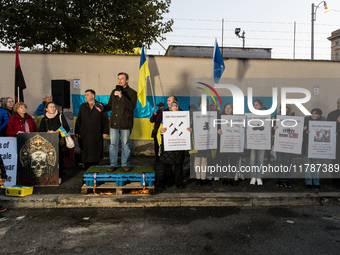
(335, 40)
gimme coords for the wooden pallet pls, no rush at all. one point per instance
(119, 190)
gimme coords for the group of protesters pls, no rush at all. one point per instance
(93, 125)
(173, 160)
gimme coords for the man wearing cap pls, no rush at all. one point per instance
(157, 119)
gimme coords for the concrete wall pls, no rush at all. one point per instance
(170, 75)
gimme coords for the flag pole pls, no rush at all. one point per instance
(153, 95)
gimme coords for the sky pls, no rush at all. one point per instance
(267, 24)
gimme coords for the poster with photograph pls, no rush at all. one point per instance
(38, 158)
(176, 137)
(8, 152)
(205, 134)
(258, 131)
(322, 139)
(233, 131)
(289, 134)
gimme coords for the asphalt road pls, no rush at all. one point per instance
(200, 230)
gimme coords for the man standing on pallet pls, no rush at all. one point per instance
(122, 102)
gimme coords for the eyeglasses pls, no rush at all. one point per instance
(10, 101)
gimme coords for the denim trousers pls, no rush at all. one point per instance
(124, 135)
(311, 171)
(256, 162)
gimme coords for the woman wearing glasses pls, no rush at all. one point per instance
(7, 103)
(5, 112)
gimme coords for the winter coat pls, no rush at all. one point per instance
(122, 108)
(16, 124)
(53, 124)
(3, 121)
(91, 125)
(157, 119)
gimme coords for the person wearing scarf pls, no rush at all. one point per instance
(21, 121)
(50, 124)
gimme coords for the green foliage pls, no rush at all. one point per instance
(96, 26)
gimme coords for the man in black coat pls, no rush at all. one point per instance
(122, 102)
(335, 116)
(92, 126)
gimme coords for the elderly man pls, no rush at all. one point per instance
(169, 101)
(92, 126)
(40, 110)
(335, 116)
(122, 102)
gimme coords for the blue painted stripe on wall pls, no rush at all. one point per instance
(148, 110)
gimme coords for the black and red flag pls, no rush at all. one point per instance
(20, 84)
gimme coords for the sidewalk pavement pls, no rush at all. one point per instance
(67, 195)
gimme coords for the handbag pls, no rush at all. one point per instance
(68, 138)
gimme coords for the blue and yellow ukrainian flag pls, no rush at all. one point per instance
(143, 74)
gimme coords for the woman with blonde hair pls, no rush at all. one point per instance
(21, 121)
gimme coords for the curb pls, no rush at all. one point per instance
(173, 200)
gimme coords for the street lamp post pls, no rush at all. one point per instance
(314, 9)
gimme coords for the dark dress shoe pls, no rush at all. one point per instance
(126, 168)
(111, 168)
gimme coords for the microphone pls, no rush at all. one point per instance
(118, 88)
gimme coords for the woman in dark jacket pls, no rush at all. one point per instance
(173, 158)
(51, 123)
(311, 177)
(20, 122)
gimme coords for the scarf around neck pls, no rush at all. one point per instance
(51, 116)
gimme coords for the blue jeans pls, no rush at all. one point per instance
(311, 173)
(284, 159)
(256, 159)
(124, 135)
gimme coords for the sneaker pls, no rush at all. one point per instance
(259, 182)
(253, 181)
(2, 209)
